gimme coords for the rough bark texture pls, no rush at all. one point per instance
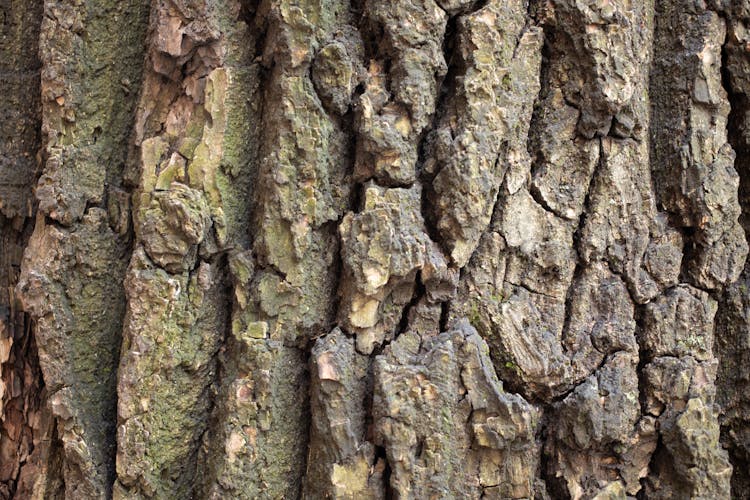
(369, 249)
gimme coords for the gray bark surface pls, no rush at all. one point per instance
(368, 249)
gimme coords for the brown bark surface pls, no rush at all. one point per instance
(369, 249)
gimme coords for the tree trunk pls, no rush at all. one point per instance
(370, 249)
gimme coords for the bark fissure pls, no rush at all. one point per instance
(24, 420)
(731, 349)
(367, 249)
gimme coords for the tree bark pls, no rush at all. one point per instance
(375, 249)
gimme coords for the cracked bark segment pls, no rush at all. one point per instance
(303, 182)
(78, 341)
(564, 162)
(303, 195)
(413, 34)
(595, 433)
(187, 171)
(733, 381)
(693, 440)
(679, 323)
(19, 119)
(398, 102)
(338, 69)
(26, 423)
(515, 287)
(172, 226)
(193, 152)
(600, 321)
(260, 432)
(297, 304)
(540, 255)
(691, 462)
(539, 347)
(484, 122)
(447, 426)
(173, 329)
(677, 335)
(194, 127)
(242, 271)
(517, 325)
(523, 330)
(521, 308)
(90, 80)
(385, 251)
(692, 161)
(598, 57)
(645, 251)
(341, 462)
(671, 381)
(72, 272)
(424, 317)
(595, 286)
(522, 325)
(599, 54)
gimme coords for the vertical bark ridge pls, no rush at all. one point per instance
(380, 287)
(696, 184)
(70, 280)
(194, 164)
(24, 421)
(732, 342)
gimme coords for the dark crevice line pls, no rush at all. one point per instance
(446, 89)
(444, 315)
(729, 354)
(419, 293)
(662, 104)
(689, 252)
(622, 275)
(338, 273)
(656, 460)
(307, 351)
(736, 136)
(538, 198)
(347, 124)
(22, 153)
(354, 205)
(580, 267)
(213, 385)
(555, 486)
(380, 454)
